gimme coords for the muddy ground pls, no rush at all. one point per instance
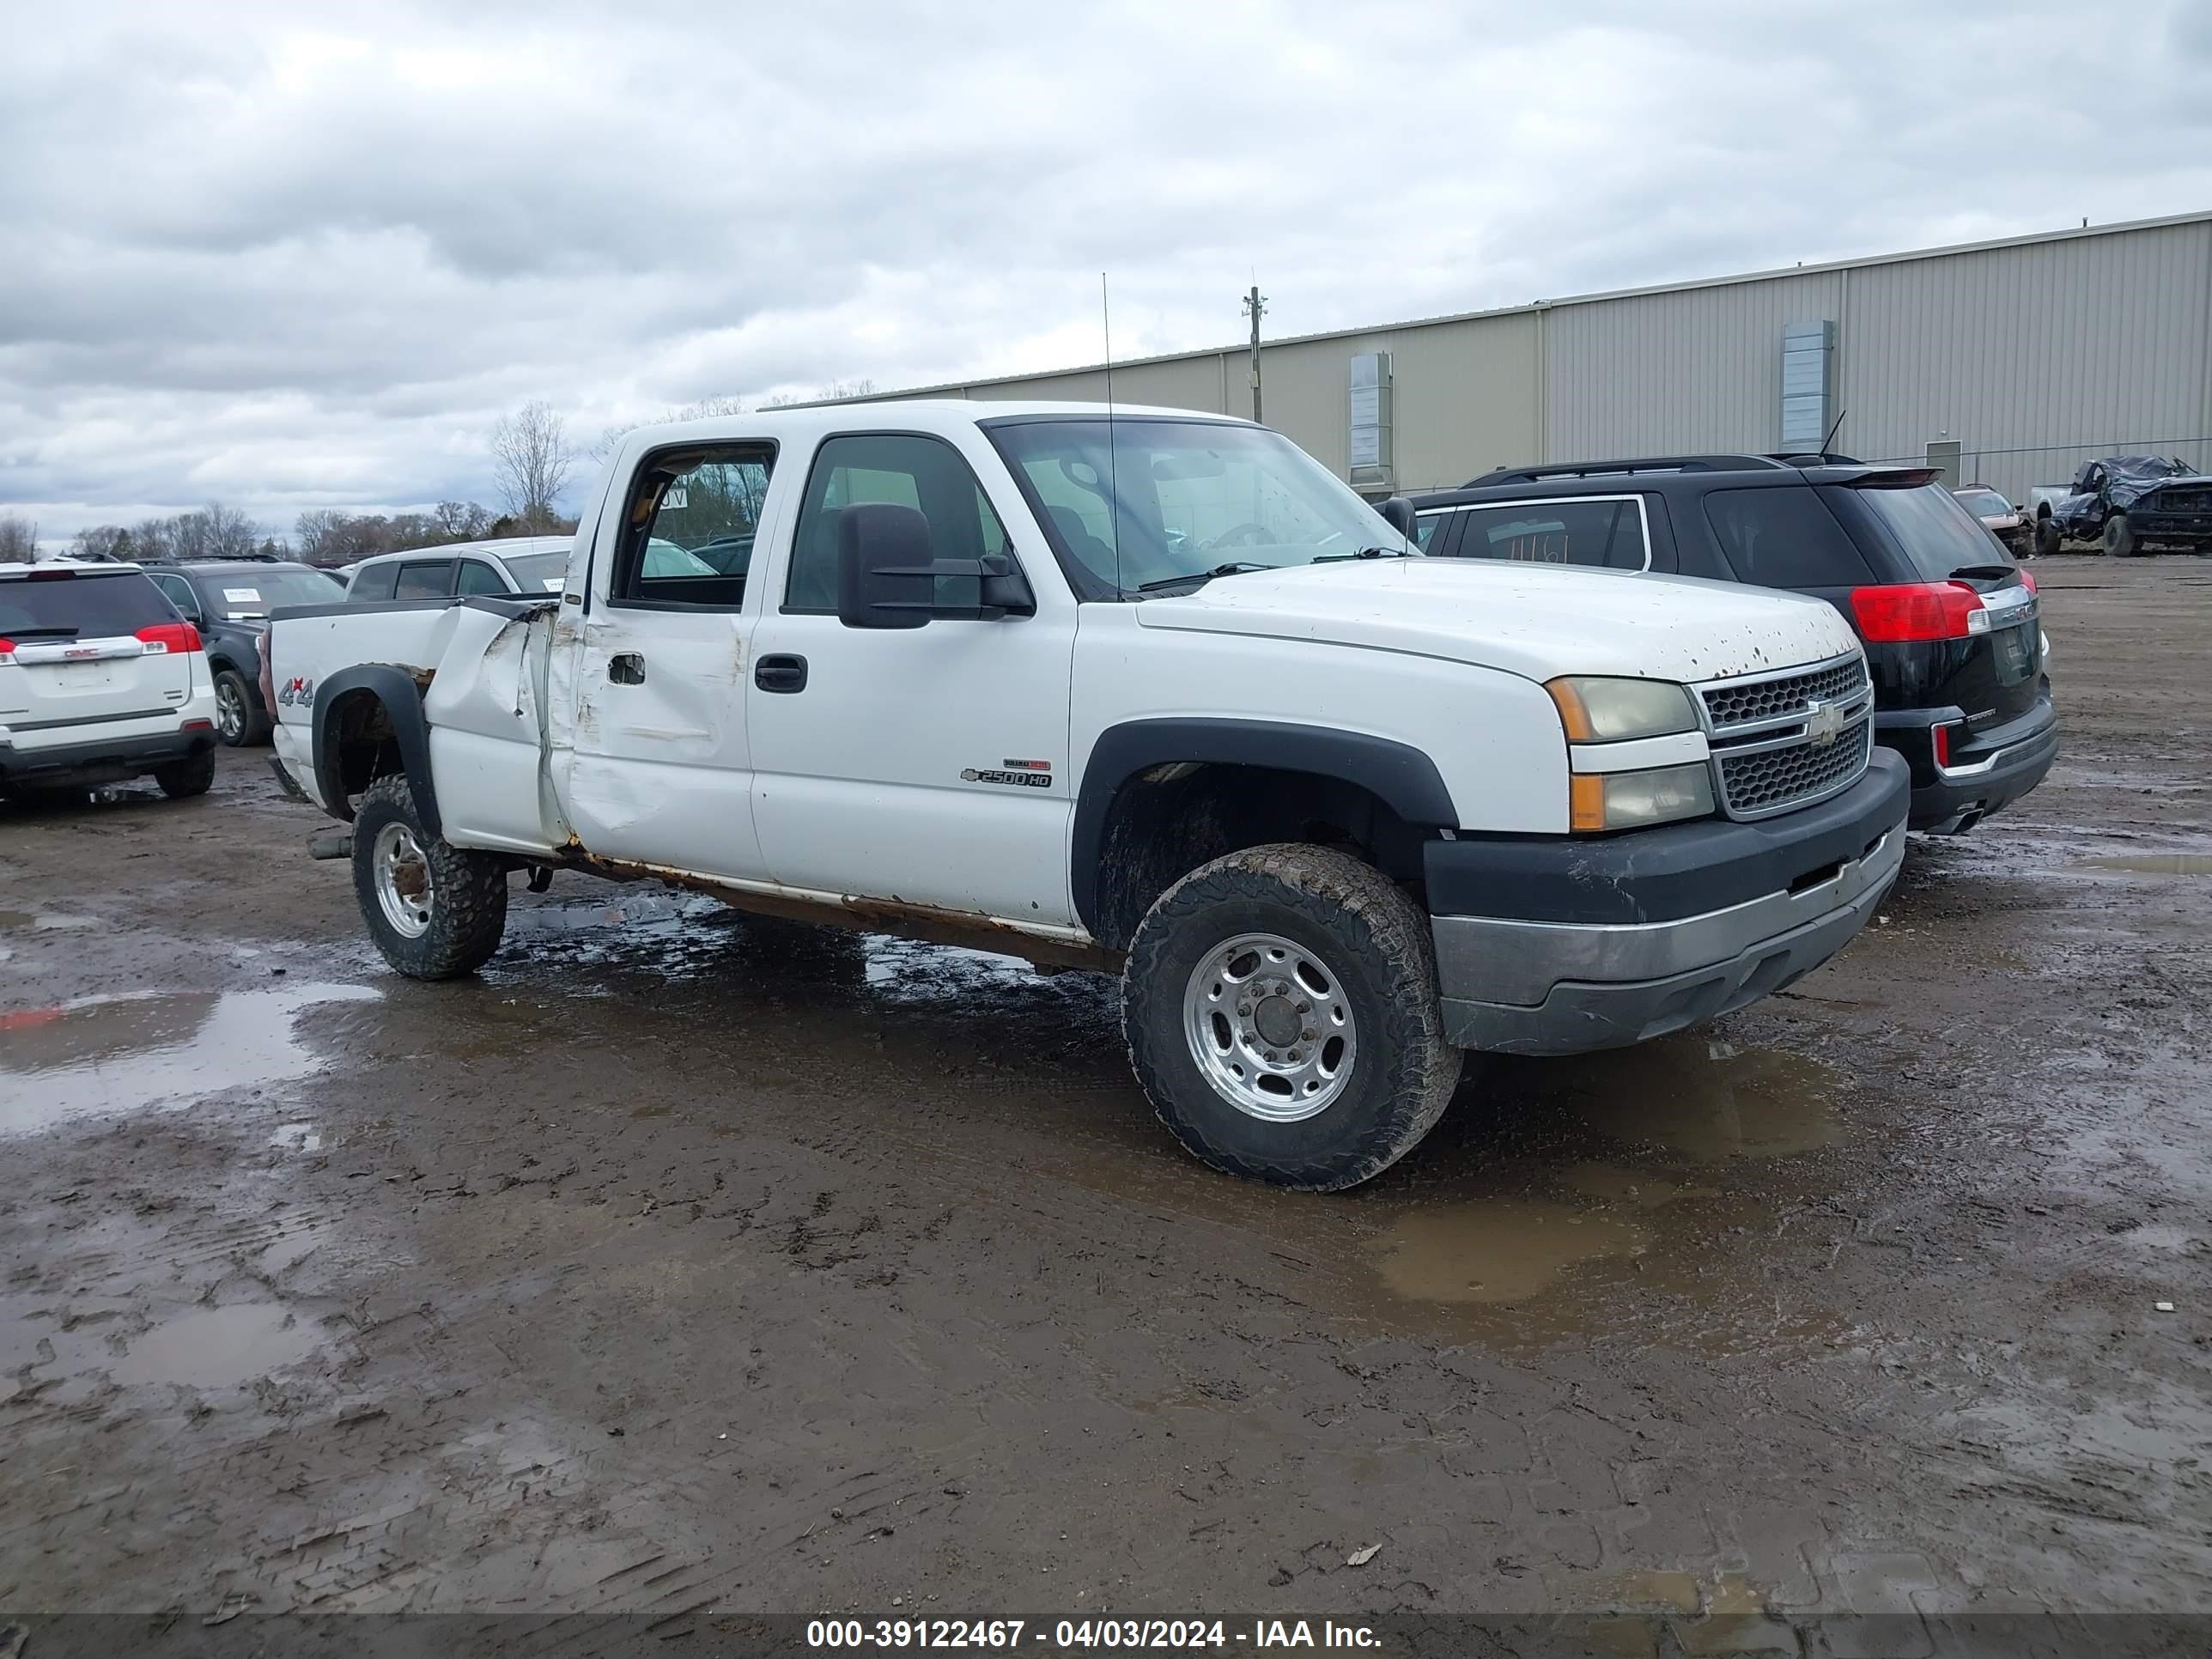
(683, 1265)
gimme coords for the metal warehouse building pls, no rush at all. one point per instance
(2030, 354)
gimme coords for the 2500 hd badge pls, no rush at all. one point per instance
(1021, 774)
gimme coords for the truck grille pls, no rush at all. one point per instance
(1784, 740)
(2182, 500)
(1767, 781)
(1747, 703)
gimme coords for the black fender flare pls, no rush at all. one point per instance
(402, 698)
(1399, 775)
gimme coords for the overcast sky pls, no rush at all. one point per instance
(292, 256)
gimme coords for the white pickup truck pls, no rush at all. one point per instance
(1149, 691)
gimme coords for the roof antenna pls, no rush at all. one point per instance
(1113, 459)
(1833, 430)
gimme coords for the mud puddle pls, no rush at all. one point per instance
(2155, 864)
(1701, 1098)
(125, 1054)
(1503, 1250)
(34, 921)
(1586, 1186)
(63, 1361)
(217, 1347)
(654, 913)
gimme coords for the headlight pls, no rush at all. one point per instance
(1606, 710)
(1631, 800)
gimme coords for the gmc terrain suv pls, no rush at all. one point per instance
(1950, 624)
(100, 681)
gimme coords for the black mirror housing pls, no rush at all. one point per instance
(884, 560)
(887, 574)
(1398, 512)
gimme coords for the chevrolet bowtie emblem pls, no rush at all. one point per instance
(1824, 722)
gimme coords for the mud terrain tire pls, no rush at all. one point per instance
(182, 780)
(2119, 537)
(1362, 936)
(460, 909)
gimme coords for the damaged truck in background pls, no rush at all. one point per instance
(2129, 504)
(1143, 692)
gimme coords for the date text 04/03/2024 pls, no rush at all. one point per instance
(1167, 1633)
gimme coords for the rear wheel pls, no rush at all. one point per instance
(237, 721)
(435, 911)
(1281, 1012)
(181, 780)
(2119, 537)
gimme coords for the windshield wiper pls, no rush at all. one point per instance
(1362, 553)
(1234, 567)
(44, 633)
(1994, 572)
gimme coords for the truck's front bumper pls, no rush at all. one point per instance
(1649, 931)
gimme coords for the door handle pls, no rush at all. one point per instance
(626, 668)
(780, 672)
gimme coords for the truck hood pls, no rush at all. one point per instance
(1537, 621)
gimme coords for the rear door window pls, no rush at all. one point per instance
(1936, 534)
(177, 590)
(80, 607)
(1603, 533)
(477, 577)
(1784, 537)
(424, 579)
(371, 583)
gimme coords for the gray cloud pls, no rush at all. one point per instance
(305, 260)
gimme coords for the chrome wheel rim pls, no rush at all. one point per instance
(404, 889)
(229, 712)
(1270, 1027)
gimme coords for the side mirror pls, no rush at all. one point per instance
(1398, 513)
(887, 574)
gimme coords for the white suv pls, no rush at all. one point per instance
(101, 680)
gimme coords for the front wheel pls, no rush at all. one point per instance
(2047, 537)
(2119, 537)
(435, 911)
(1281, 1013)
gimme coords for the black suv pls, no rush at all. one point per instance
(1950, 624)
(229, 602)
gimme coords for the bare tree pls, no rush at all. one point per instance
(18, 540)
(699, 410)
(100, 541)
(462, 521)
(835, 392)
(532, 459)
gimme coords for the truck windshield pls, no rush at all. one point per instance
(1141, 504)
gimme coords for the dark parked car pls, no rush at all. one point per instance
(229, 602)
(2131, 504)
(1951, 624)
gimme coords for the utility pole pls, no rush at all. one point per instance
(1256, 304)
